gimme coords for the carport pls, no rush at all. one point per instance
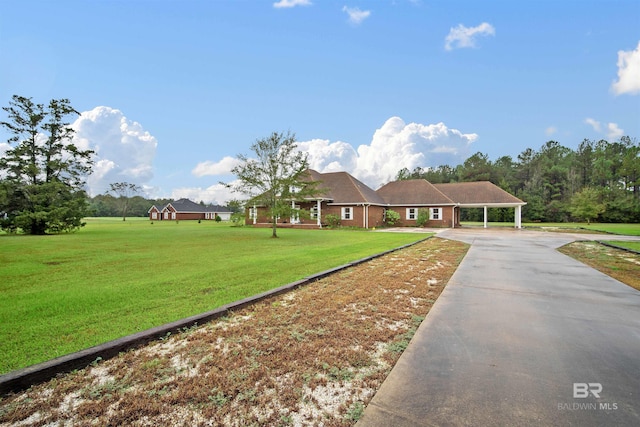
(481, 194)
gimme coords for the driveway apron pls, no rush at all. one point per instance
(521, 335)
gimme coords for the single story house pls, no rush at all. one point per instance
(360, 206)
(185, 209)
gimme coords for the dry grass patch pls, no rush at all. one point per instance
(621, 265)
(315, 356)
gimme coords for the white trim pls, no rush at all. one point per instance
(346, 211)
(411, 214)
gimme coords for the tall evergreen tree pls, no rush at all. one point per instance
(43, 173)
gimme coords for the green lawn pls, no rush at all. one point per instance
(629, 245)
(62, 293)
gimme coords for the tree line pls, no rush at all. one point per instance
(43, 177)
(43, 173)
(599, 180)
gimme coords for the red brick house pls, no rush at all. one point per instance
(339, 194)
(358, 205)
(185, 209)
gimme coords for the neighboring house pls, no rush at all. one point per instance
(358, 205)
(185, 209)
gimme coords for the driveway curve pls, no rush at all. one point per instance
(521, 335)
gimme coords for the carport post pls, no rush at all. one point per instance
(518, 216)
(485, 217)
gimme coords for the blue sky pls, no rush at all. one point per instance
(172, 91)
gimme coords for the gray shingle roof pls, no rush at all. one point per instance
(342, 188)
(413, 192)
(186, 205)
(481, 192)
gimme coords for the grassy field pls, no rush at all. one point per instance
(62, 293)
(626, 229)
(629, 245)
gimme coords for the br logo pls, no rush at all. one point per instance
(582, 390)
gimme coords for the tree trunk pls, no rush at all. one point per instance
(274, 227)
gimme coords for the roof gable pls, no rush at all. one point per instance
(186, 205)
(343, 188)
(413, 192)
(480, 192)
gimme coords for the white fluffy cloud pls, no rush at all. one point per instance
(628, 72)
(217, 194)
(613, 132)
(462, 36)
(291, 3)
(356, 16)
(397, 145)
(326, 156)
(124, 150)
(223, 167)
(593, 123)
(394, 146)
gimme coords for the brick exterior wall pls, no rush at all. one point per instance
(446, 216)
(357, 215)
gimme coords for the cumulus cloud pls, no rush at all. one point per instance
(550, 130)
(593, 123)
(217, 194)
(395, 145)
(462, 36)
(223, 167)
(124, 150)
(356, 16)
(628, 72)
(326, 156)
(291, 3)
(612, 131)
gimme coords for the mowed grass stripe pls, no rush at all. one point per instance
(63, 293)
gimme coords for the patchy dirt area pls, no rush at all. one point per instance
(312, 357)
(617, 263)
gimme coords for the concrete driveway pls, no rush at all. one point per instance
(521, 335)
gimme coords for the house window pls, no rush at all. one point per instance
(253, 213)
(347, 213)
(154, 215)
(435, 213)
(412, 213)
(314, 212)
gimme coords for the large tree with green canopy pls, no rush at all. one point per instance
(276, 176)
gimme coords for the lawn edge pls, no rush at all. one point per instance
(24, 378)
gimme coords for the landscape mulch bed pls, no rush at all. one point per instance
(314, 356)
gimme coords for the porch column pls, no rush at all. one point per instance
(453, 217)
(255, 214)
(518, 216)
(319, 212)
(485, 217)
